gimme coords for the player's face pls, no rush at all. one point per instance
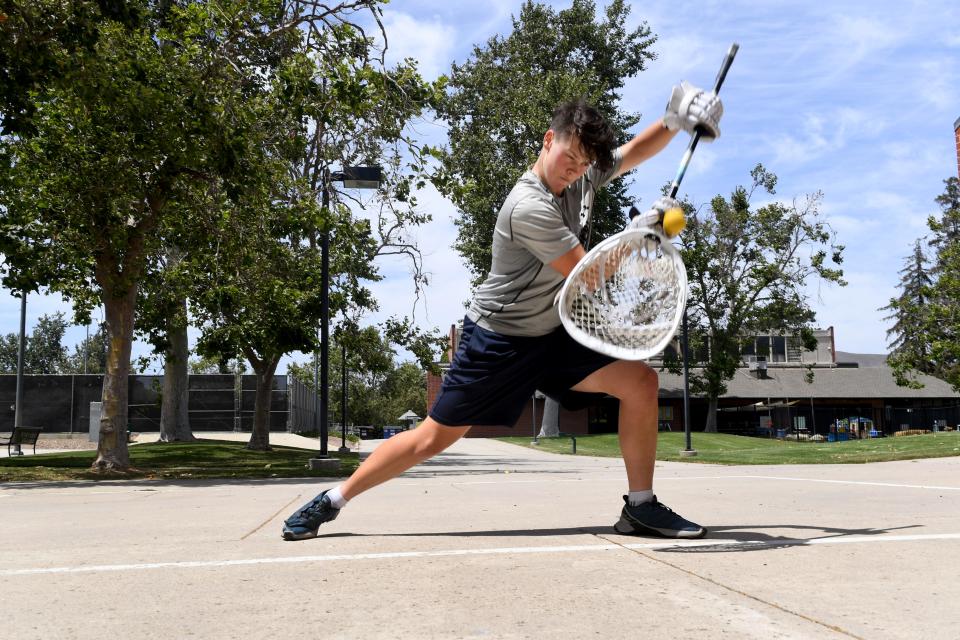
(565, 160)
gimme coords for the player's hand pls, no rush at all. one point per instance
(691, 108)
(665, 215)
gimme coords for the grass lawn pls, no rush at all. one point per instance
(176, 460)
(726, 449)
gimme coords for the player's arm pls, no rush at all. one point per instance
(593, 277)
(644, 146)
(565, 263)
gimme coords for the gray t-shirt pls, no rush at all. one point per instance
(534, 227)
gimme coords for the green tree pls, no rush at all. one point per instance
(370, 358)
(747, 268)
(338, 108)
(943, 325)
(132, 105)
(908, 338)
(124, 119)
(213, 364)
(162, 320)
(44, 352)
(379, 389)
(405, 390)
(501, 100)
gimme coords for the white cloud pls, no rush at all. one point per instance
(862, 37)
(428, 41)
(935, 85)
(823, 133)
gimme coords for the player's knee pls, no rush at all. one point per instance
(435, 439)
(638, 382)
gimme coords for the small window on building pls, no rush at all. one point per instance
(763, 347)
(665, 414)
(779, 349)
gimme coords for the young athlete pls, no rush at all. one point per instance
(512, 341)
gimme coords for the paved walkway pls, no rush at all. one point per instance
(276, 437)
(492, 541)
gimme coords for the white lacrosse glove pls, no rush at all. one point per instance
(654, 217)
(691, 108)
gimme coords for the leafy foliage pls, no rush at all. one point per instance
(926, 330)
(43, 349)
(131, 130)
(379, 389)
(747, 268)
(910, 311)
(500, 103)
(129, 117)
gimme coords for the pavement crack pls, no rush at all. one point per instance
(729, 588)
(270, 519)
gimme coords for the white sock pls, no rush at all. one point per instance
(639, 497)
(336, 498)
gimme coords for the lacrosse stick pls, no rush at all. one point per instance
(626, 297)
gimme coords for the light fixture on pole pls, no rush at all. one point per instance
(352, 178)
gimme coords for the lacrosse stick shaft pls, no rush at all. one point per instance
(685, 161)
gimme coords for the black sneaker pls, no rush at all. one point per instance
(655, 519)
(304, 523)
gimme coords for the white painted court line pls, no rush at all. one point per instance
(581, 548)
(847, 482)
(619, 476)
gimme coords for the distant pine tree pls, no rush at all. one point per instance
(943, 325)
(925, 337)
(910, 311)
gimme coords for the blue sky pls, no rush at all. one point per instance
(854, 99)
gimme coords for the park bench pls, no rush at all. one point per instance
(22, 436)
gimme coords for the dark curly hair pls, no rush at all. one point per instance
(591, 128)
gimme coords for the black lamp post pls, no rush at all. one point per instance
(18, 398)
(688, 450)
(352, 178)
(343, 400)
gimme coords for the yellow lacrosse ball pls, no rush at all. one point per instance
(674, 221)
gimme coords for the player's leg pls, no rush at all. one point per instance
(387, 461)
(399, 453)
(636, 386)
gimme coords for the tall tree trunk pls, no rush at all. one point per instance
(260, 436)
(112, 452)
(711, 425)
(550, 425)
(174, 414)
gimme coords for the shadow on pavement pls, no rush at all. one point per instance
(749, 539)
(505, 533)
(735, 538)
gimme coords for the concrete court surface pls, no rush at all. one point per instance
(492, 541)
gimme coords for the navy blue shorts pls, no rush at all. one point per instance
(493, 376)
